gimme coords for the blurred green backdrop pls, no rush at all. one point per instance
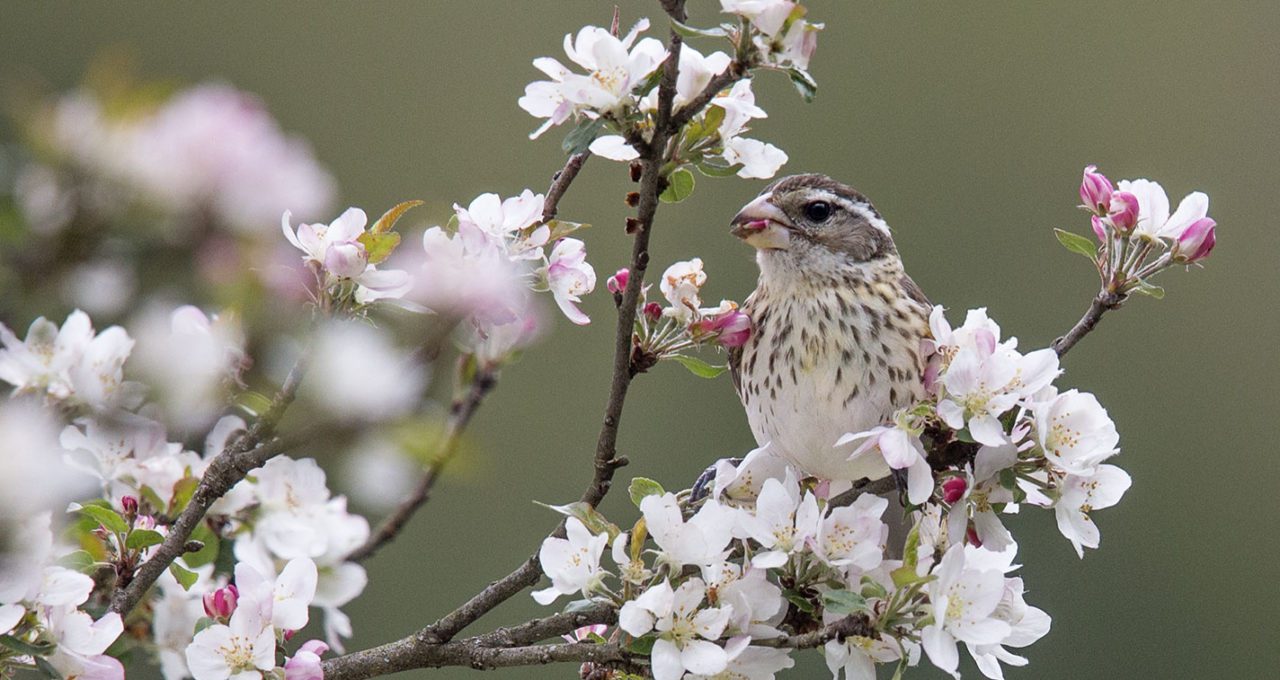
(968, 125)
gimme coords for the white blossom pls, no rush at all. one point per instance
(1075, 432)
(684, 630)
(570, 276)
(572, 563)
(1081, 494)
(70, 363)
(701, 540)
(783, 522)
(963, 599)
(680, 285)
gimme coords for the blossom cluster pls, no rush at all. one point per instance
(615, 103)
(1137, 235)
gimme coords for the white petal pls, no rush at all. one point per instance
(614, 147)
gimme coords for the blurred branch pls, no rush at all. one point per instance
(249, 451)
(459, 416)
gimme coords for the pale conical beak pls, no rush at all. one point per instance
(762, 225)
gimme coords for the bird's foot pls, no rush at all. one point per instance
(703, 486)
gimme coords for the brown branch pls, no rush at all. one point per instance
(560, 184)
(674, 9)
(459, 416)
(1102, 303)
(735, 72)
(863, 486)
(471, 655)
(858, 625)
(247, 452)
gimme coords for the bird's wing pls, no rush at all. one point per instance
(735, 368)
(913, 291)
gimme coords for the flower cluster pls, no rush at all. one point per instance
(339, 254)
(207, 150)
(668, 332)
(779, 31)
(1138, 237)
(71, 364)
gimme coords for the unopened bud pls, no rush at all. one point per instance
(637, 169)
(1196, 241)
(633, 198)
(1124, 211)
(633, 225)
(972, 537)
(130, 506)
(1095, 191)
(953, 489)
(653, 311)
(618, 282)
(1099, 228)
(221, 603)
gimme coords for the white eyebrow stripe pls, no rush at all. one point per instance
(861, 209)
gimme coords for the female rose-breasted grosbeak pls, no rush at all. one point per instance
(838, 325)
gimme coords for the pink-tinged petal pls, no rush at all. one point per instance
(1196, 241)
(571, 310)
(1124, 211)
(1099, 228)
(346, 260)
(1194, 206)
(1095, 190)
(348, 226)
(287, 228)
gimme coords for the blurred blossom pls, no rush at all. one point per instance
(33, 477)
(493, 343)
(128, 455)
(105, 287)
(378, 473)
(465, 275)
(71, 363)
(189, 358)
(45, 201)
(358, 374)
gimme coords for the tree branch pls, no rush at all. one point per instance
(472, 655)
(1102, 303)
(735, 72)
(459, 416)
(560, 184)
(249, 451)
(855, 625)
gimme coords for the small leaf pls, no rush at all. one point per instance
(799, 601)
(562, 228)
(206, 555)
(688, 31)
(183, 490)
(47, 668)
(904, 576)
(699, 367)
(379, 246)
(25, 647)
(202, 623)
(642, 645)
(580, 137)
(1008, 478)
(1077, 244)
(712, 169)
(79, 560)
(805, 84)
(643, 487)
(389, 218)
(1150, 289)
(589, 516)
(106, 517)
(140, 539)
(579, 606)
(639, 532)
(872, 588)
(679, 186)
(185, 577)
(597, 638)
(843, 602)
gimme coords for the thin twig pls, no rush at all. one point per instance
(477, 657)
(560, 184)
(459, 416)
(247, 452)
(1102, 303)
(856, 625)
(735, 72)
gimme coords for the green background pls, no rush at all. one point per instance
(968, 124)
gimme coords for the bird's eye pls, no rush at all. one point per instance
(817, 211)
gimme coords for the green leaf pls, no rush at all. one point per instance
(799, 601)
(47, 668)
(843, 602)
(185, 577)
(183, 490)
(872, 588)
(389, 218)
(581, 136)
(597, 638)
(202, 623)
(589, 516)
(206, 555)
(379, 246)
(679, 186)
(688, 31)
(643, 487)
(79, 560)
(1077, 244)
(904, 576)
(805, 84)
(712, 169)
(1150, 289)
(1008, 478)
(26, 648)
(562, 228)
(642, 645)
(143, 538)
(106, 517)
(699, 367)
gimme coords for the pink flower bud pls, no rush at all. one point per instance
(1124, 211)
(618, 282)
(653, 311)
(221, 603)
(129, 504)
(145, 522)
(346, 260)
(1095, 190)
(306, 665)
(971, 536)
(1196, 241)
(1099, 228)
(734, 328)
(953, 489)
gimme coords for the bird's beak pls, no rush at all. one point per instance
(762, 225)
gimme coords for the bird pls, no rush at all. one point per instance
(839, 328)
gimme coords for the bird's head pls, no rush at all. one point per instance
(813, 221)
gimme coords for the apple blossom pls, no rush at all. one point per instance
(468, 274)
(783, 522)
(1095, 190)
(750, 663)
(618, 282)
(767, 16)
(983, 382)
(69, 363)
(1195, 242)
(572, 563)
(221, 603)
(853, 536)
(963, 600)
(1154, 220)
(900, 450)
(1075, 432)
(240, 650)
(759, 160)
(1123, 213)
(685, 631)
(758, 605)
(630, 570)
(82, 643)
(1082, 494)
(505, 222)
(741, 483)
(336, 249)
(856, 655)
(739, 105)
(305, 664)
(699, 541)
(289, 594)
(569, 277)
(680, 284)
